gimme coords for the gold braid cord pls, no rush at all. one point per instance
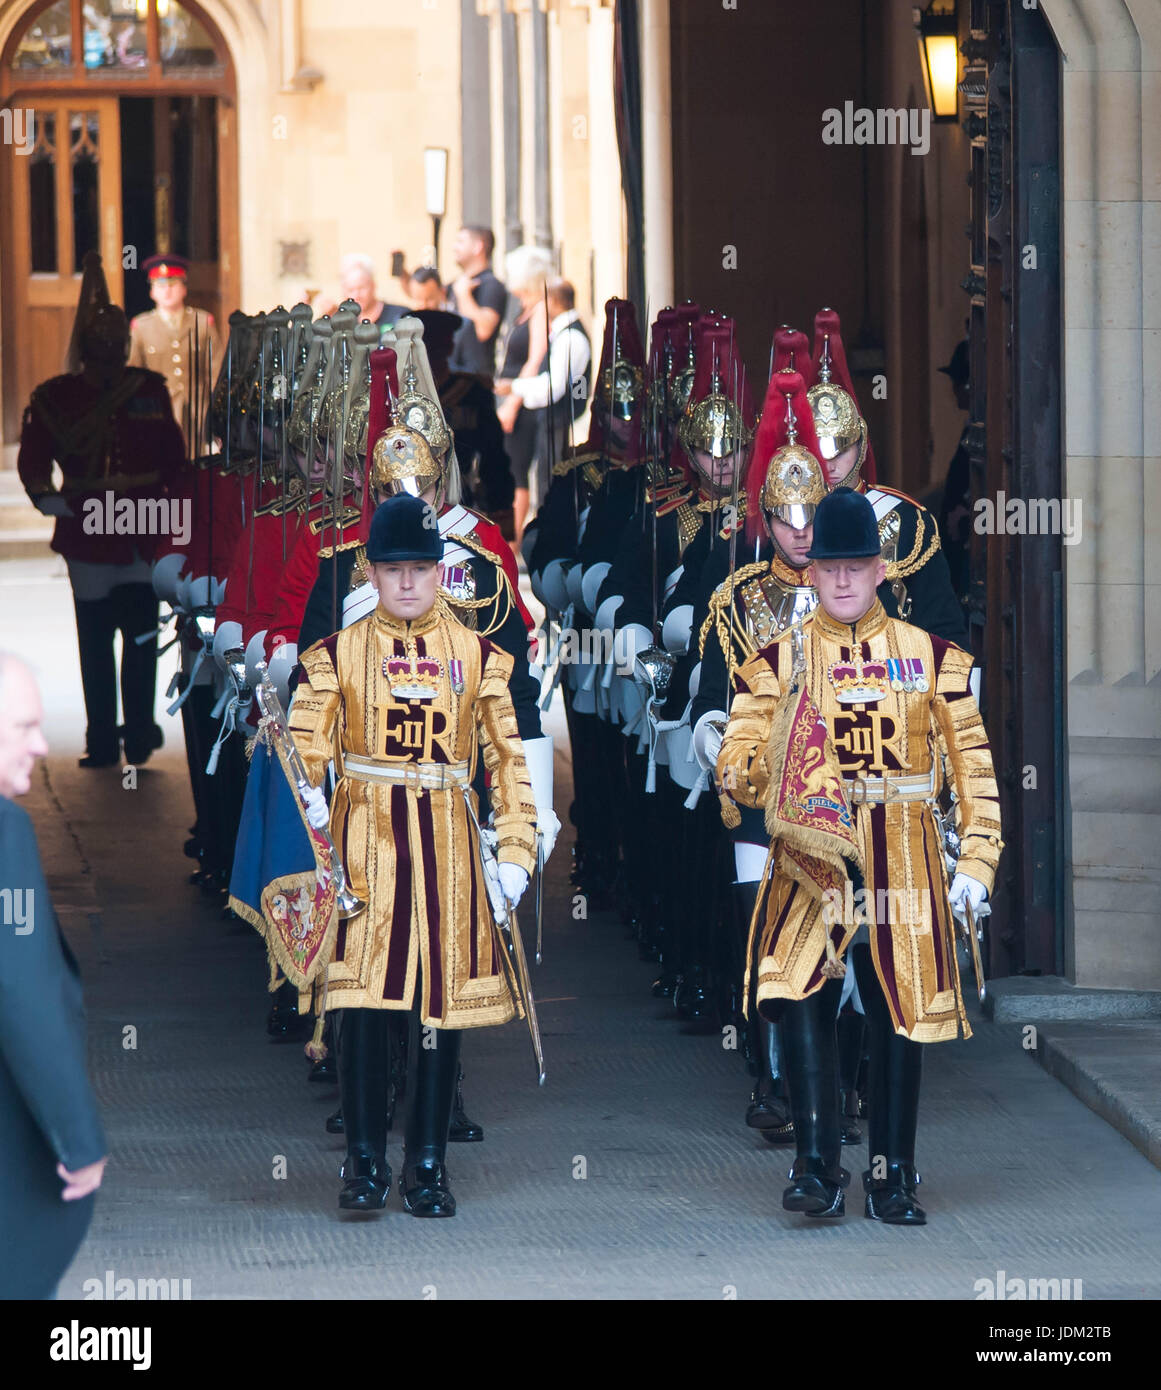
(503, 587)
(902, 569)
(736, 644)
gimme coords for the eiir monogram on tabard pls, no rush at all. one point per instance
(867, 734)
(404, 735)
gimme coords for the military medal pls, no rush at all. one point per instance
(908, 678)
(893, 672)
(455, 669)
(920, 677)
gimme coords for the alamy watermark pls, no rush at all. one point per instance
(883, 125)
(18, 128)
(1029, 516)
(138, 516)
(18, 909)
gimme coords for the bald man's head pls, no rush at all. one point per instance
(21, 738)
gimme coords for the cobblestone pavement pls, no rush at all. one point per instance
(677, 1200)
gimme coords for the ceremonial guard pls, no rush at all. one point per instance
(407, 701)
(843, 733)
(174, 339)
(755, 602)
(477, 572)
(110, 427)
(917, 572)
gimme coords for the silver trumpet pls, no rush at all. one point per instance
(274, 722)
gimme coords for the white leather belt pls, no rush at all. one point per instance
(874, 789)
(418, 776)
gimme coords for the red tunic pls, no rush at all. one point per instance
(124, 441)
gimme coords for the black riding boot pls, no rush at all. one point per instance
(895, 1074)
(284, 1023)
(852, 1031)
(426, 1191)
(768, 1110)
(462, 1130)
(364, 1067)
(809, 1052)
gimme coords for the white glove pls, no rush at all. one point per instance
(548, 828)
(513, 880)
(965, 889)
(707, 740)
(53, 504)
(317, 811)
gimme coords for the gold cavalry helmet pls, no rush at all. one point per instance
(714, 424)
(791, 483)
(621, 387)
(837, 421)
(794, 486)
(402, 461)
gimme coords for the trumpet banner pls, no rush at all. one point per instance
(281, 881)
(808, 816)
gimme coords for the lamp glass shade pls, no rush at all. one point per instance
(941, 56)
(435, 181)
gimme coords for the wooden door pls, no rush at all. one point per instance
(62, 200)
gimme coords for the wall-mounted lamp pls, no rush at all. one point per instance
(938, 30)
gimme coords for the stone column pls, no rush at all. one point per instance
(657, 153)
(1111, 200)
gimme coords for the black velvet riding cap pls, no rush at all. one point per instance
(404, 528)
(844, 527)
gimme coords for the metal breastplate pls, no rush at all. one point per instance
(771, 606)
(889, 536)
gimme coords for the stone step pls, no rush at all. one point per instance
(24, 532)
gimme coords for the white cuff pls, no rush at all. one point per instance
(166, 573)
(707, 742)
(677, 629)
(553, 586)
(227, 637)
(629, 640)
(591, 582)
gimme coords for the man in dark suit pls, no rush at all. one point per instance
(52, 1146)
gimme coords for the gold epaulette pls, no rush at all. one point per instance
(563, 467)
(503, 586)
(732, 634)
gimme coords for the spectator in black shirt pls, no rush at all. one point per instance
(480, 299)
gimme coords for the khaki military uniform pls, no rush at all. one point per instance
(168, 347)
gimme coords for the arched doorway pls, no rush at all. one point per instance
(119, 136)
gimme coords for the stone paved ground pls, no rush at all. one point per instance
(679, 1201)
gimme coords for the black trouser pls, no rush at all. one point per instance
(198, 728)
(366, 1040)
(132, 609)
